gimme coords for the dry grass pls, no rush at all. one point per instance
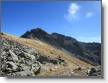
(48, 50)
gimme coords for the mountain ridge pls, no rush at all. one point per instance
(28, 57)
(81, 50)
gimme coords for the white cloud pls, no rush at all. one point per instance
(72, 11)
(89, 14)
(77, 12)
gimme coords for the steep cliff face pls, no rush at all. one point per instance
(26, 57)
(90, 52)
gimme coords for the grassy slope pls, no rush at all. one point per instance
(48, 50)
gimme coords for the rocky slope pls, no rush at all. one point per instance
(26, 57)
(90, 52)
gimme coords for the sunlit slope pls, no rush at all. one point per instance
(72, 63)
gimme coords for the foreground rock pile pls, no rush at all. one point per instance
(20, 60)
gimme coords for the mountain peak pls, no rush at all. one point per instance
(88, 52)
(33, 33)
(38, 30)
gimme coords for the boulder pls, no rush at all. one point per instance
(35, 66)
(92, 72)
(13, 55)
(31, 57)
(9, 66)
(24, 73)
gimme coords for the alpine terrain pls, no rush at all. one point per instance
(37, 53)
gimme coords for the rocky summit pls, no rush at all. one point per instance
(89, 52)
(33, 57)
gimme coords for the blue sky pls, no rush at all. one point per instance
(78, 19)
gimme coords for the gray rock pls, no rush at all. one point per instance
(24, 73)
(9, 66)
(20, 60)
(35, 66)
(14, 56)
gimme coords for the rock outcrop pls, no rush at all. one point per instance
(20, 60)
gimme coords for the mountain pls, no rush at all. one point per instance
(40, 34)
(89, 52)
(34, 57)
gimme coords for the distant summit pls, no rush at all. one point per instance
(89, 52)
(35, 33)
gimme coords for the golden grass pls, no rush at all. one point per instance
(50, 51)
